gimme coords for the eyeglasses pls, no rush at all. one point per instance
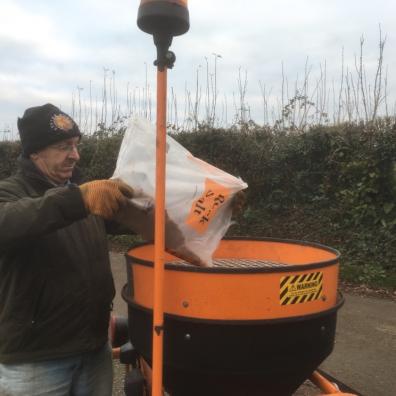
(66, 147)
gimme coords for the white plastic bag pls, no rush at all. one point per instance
(198, 195)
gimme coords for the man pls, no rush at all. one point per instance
(56, 287)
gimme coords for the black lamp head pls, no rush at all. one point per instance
(163, 17)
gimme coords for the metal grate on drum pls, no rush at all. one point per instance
(238, 263)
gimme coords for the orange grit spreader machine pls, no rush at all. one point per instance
(259, 322)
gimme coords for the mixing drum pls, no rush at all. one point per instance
(258, 322)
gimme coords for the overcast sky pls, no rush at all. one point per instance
(54, 51)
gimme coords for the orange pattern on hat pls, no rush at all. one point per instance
(61, 121)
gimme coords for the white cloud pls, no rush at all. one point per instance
(56, 46)
(33, 31)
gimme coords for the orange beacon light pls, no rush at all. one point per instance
(167, 17)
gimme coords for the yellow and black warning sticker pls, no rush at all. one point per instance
(295, 289)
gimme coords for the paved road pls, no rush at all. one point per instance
(364, 356)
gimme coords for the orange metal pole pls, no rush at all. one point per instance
(323, 384)
(159, 239)
(116, 352)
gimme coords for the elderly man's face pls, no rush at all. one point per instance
(58, 160)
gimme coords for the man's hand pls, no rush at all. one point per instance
(105, 197)
(238, 203)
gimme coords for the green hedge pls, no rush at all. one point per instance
(9, 152)
(335, 185)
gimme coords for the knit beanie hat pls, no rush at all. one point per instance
(44, 125)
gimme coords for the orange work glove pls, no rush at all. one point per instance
(105, 197)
